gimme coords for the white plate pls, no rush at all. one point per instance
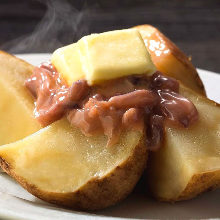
(16, 203)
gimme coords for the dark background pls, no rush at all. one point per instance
(29, 26)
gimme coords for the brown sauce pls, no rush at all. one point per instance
(134, 102)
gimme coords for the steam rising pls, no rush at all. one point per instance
(61, 23)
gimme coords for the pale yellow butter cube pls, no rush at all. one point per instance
(67, 62)
(105, 56)
(114, 54)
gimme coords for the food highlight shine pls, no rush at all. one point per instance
(83, 83)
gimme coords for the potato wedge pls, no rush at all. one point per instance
(169, 59)
(58, 163)
(61, 165)
(16, 105)
(189, 163)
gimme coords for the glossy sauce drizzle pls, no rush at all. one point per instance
(134, 102)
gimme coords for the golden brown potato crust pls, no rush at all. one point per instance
(200, 183)
(169, 59)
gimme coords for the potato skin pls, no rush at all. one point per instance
(180, 62)
(200, 183)
(98, 193)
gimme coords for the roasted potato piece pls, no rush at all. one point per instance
(189, 163)
(16, 105)
(61, 165)
(169, 59)
(58, 163)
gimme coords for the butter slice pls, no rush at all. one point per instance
(105, 56)
(67, 62)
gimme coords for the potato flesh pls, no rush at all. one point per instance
(16, 105)
(59, 158)
(169, 59)
(187, 152)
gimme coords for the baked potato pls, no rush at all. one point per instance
(16, 105)
(169, 59)
(62, 166)
(58, 163)
(189, 161)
